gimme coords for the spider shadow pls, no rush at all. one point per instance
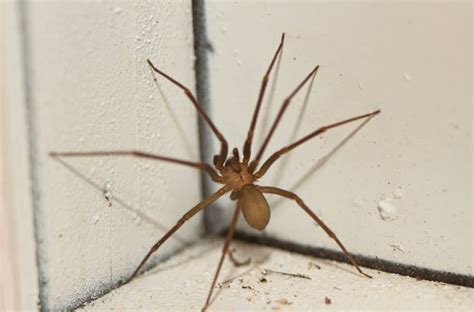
(257, 256)
(199, 254)
(322, 161)
(124, 205)
(263, 128)
(299, 122)
(340, 267)
(179, 128)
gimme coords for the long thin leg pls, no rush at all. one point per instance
(188, 215)
(224, 147)
(284, 106)
(225, 249)
(201, 166)
(299, 201)
(248, 141)
(266, 165)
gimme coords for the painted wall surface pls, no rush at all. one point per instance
(398, 187)
(92, 90)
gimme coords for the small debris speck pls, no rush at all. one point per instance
(283, 301)
(387, 210)
(95, 219)
(327, 300)
(397, 247)
(313, 265)
(268, 271)
(237, 262)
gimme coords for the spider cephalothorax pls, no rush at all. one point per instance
(238, 176)
(254, 206)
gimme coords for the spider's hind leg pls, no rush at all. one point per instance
(329, 232)
(225, 250)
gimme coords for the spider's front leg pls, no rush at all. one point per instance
(132, 153)
(248, 142)
(219, 159)
(267, 164)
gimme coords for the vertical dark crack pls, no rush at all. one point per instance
(32, 139)
(202, 48)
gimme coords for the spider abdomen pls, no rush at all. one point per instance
(254, 206)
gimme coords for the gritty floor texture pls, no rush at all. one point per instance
(276, 280)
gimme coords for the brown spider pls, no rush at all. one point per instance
(237, 176)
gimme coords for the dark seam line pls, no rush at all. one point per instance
(201, 49)
(32, 140)
(366, 261)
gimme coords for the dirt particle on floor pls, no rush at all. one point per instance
(283, 301)
(312, 265)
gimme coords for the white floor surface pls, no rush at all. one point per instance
(267, 283)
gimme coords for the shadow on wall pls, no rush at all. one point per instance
(122, 204)
(321, 161)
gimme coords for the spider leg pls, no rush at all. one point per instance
(283, 107)
(188, 215)
(266, 165)
(299, 201)
(225, 249)
(248, 141)
(224, 147)
(201, 166)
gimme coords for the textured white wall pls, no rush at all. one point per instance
(413, 60)
(92, 90)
